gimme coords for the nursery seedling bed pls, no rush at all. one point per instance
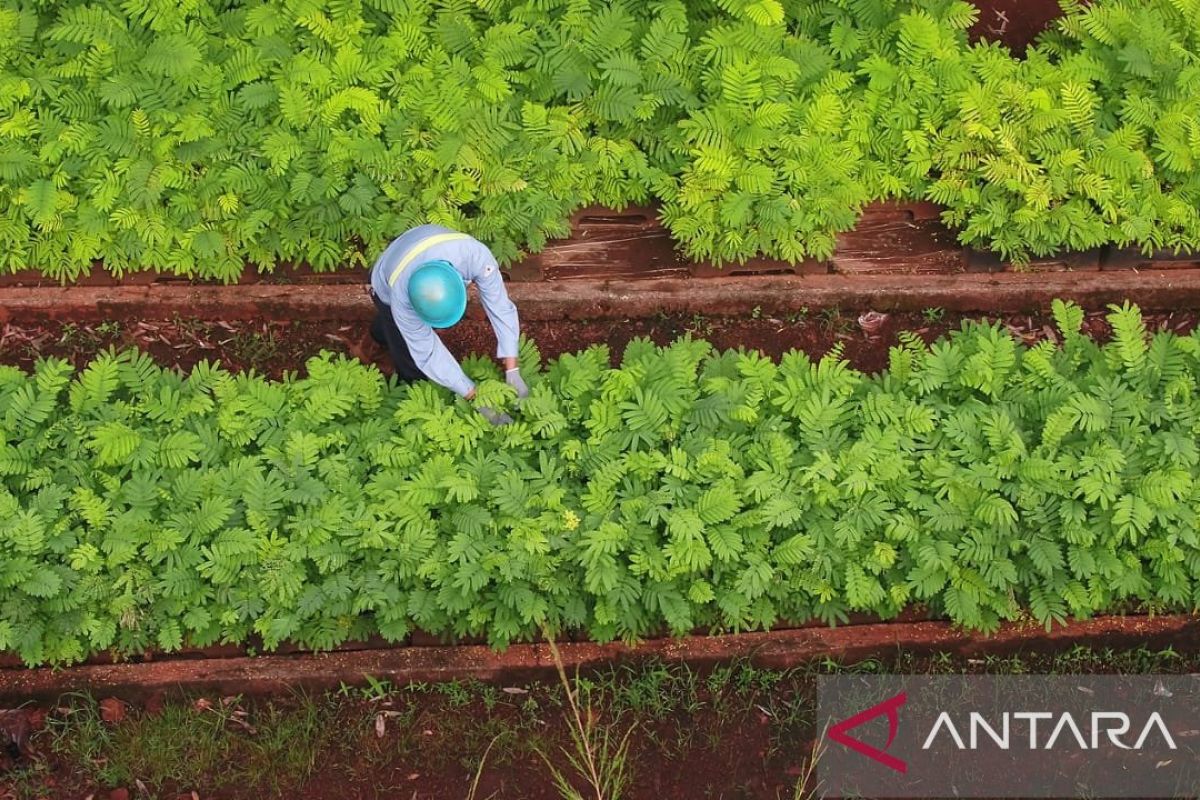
(272, 347)
(780, 649)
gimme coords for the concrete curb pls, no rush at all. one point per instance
(782, 649)
(1160, 290)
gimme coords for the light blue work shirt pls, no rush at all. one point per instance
(476, 264)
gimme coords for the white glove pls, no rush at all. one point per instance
(495, 417)
(513, 378)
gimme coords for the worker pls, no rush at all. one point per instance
(419, 284)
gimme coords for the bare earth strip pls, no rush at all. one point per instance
(782, 649)
(612, 299)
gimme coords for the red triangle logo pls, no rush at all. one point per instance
(890, 707)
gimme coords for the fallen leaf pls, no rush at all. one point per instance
(872, 322)
(380, 726)
(202, 704)
(514, 690)
(112, 710)
(141, 787)
(412, 776)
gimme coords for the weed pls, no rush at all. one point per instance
(254, 347)
(719, 678)
(797, 316)
(457, 693)
(364, 746)
(86, 337)
(376, 689)
(209, 746)
(933, 314)
(489, 696)
(833, 321)
(286, 745)
(187, 325)
(26, 782)
(596, 755)
(700, 326)
(1011, 665)
(79, 735)
(1139, 661)
(808, 787)
(751, 680)
(479, 772)
(653, 690)
(69, 332)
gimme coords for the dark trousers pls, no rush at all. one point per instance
(385, 332)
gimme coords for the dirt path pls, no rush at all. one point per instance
(272, 347)
(736, 733)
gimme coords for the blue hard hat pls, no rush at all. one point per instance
(437, 293)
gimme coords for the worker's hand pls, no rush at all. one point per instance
(514, 379)
(495, 417)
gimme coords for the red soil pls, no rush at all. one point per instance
(272, 347)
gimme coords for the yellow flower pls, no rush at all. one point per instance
(570, 520)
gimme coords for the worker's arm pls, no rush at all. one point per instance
(500, 311)
(503, 316)
(429, 352)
